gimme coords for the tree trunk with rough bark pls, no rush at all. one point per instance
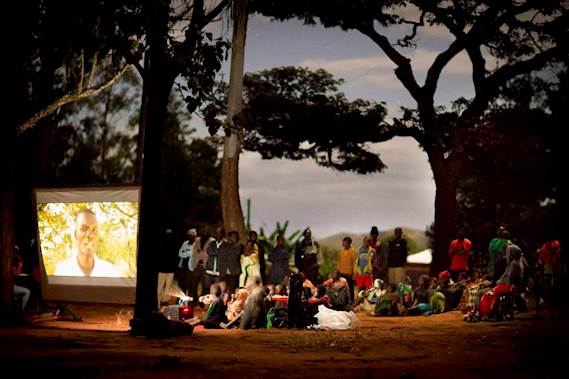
(230, 201)
(445, 172)
(156, 91)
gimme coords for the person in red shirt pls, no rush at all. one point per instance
(459, 252)
(549, 256)
(378, 260)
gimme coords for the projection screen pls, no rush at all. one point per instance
(88, 243)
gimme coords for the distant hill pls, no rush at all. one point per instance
(334, 242)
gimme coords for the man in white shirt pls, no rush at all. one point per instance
(84, 261)
(185, 263)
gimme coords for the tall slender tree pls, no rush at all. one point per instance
(230, 201)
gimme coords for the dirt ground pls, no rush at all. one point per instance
(438, 346)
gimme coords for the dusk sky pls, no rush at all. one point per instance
(327, 200)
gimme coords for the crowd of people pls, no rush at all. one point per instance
(251, 284)
(371, 278)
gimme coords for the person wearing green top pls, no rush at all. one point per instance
(496, 250)
(215, 314)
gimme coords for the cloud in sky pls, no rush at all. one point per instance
(378, 69)
(329, 201)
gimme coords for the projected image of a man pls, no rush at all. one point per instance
(84, 260)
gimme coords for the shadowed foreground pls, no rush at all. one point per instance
(421, 347)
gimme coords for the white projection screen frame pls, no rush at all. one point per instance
(110, 202)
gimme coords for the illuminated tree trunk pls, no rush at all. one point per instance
(230, 201)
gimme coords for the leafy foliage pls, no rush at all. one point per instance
(515, 182)
(295, 113)
(95, 142)
(271, 238)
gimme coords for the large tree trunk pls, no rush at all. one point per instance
(446, 210)
(230, 201)
(155, 94)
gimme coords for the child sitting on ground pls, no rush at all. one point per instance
(235, 308)
(215, 312)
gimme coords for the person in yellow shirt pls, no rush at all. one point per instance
(346, 263)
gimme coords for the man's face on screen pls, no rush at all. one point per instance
(87, 233)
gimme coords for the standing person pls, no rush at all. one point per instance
(279, 256)
(550, 257)
(459, 252)
(229, 258)
(254, 238)
(378, 260)
(549, 273)
(363, 267)
(185, 263)
(496, 252)
(397, 257)
(212, 272)
(347, 258)
(250, 267)
(308, 256)
(200, 257)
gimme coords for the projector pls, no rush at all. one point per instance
(180, 311)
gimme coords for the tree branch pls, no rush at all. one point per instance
(197, 14)
(404, 72)
(67, 99)
(93, 71)
(388, 132)
(490, 85)
(407, 41)
(82, 70)
(139, 68)
(478, 67)
(439, 64)
(215, 12)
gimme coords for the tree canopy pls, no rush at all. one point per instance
(296, 113)
(503, 39)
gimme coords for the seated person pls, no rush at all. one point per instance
(451, 290)
(320, 297)
(405, 290)
(215, 314)
(235, 308)
(280, 296)
(367, 299)
(224, 293)
(389, 304)
(338, 292)
(280, 289)
(254, 314)
(21, 293)
(516, 274)
(307, 284)
(423, 292)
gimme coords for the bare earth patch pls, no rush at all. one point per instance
(409, 347)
